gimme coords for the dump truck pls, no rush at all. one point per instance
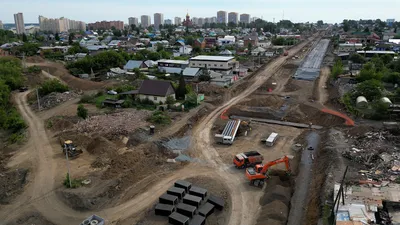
(258, 174)
(72, 151)
(247, 159)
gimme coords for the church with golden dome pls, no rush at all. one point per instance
(187, 22)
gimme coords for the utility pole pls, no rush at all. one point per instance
(38, 98)
(69, 174)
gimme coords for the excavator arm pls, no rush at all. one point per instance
(284, 159)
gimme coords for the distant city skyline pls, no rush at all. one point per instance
(294, 10)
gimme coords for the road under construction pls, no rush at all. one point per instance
(39, 193)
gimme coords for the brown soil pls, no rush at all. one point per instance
(61, 123)
(34, 59)
(313, 115)
(272, 101)
(32, 218)
(11, 184)
(34, 80)
(290, 86)
(102, 147)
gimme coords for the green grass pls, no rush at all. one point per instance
(101, 98)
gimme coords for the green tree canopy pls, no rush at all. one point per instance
(370, 89)
(357, 58)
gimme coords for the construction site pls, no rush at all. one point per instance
(270, 150)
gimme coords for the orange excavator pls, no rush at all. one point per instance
(258, 174)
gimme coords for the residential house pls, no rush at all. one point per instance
(251, 39)
(210, 41)
(185, 50)
(156, 91)
(62, 49)
(258, 51)
(227, 40)
(200, 42)
(114, 44)
(150, 63)
(77, 56)
(172, 66)
(222, 64)
(225, 52)
(350, 47)
(264, 44)
(191, 74)
(134, 64)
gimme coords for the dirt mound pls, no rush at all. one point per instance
(79, 139)
(61, 123)
(275, 210)
(100, 146)
(290, 86)
(278, 192)
(11, 183)
(269, 221)
(272, 101)
(53, 99)
(33, 218)
(307, 114)
(359, 130)
(34, 59)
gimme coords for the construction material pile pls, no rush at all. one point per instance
(378, 153)
(53, 99)
(114, 125)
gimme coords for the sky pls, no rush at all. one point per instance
(294, 10)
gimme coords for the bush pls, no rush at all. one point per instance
(170, 100)
(52, 85)
(88, 99)
(75, 183)
(82, 111)
(159, 117)
(128, 103)
(34, 69)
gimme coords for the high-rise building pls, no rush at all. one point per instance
(222, 17)
(60, 25)
(390, 22)
(107, 25)
(168, 22)
(233, 17)
(133, 21)
(245, 18)
(213, 19)
(178, 21)
(145, 20)
(254, 19)
(19, 23)
(195, 21)
(158, 20)
(200, 22)
(1, 25)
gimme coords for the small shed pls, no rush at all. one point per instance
(361, 102)
(198, 220)
(183, 184)
(178, 219)
(179, 192)
(206, 210)
(168, 199)
(192, 200)
(199, 192)
(185, 209)
(218, 202)
(164, 209)
(113, 103)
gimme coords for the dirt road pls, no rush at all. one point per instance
(40, 191)
(322, 91)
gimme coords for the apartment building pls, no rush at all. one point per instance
(233, 17)
(158, 20)
(107, 25)
(145, 20)
(213, 20)
(60, 24)
(222, 64)
(168, 22)
(245, 18)
(222, 17)
(178, 21)
(200, 22)
(19, 23)
(133, 21)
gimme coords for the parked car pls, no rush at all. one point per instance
(112, 92)
(23, 89)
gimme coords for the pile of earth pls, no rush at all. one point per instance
(32, 218)
(53, 99)
(11, 184)
(275, 204)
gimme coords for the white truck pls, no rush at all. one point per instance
(229, 133)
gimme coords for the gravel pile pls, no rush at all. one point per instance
(53, 99)
(114, 125)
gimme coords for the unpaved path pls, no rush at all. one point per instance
(40, 191)
(322, 90)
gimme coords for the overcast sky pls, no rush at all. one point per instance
(295, 10)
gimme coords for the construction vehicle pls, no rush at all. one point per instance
(247, 159)
(258, 174)
(71, 149)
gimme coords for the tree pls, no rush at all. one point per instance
(160, 27)
(24, 37)
(189, 40)
(320, 23)
(392, 77)
(181, 91)
(196, 50)
(278, 41)
(71, 38)
(125, 32)
(366, 30)
(82, 111)
(368, 72)
(57, 37)
(337, 69)
(346, 26)
(117, 33)
(370, 89)
(357, 58)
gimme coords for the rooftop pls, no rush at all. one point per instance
(173, 61)
(376, 52)
(212, 58)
